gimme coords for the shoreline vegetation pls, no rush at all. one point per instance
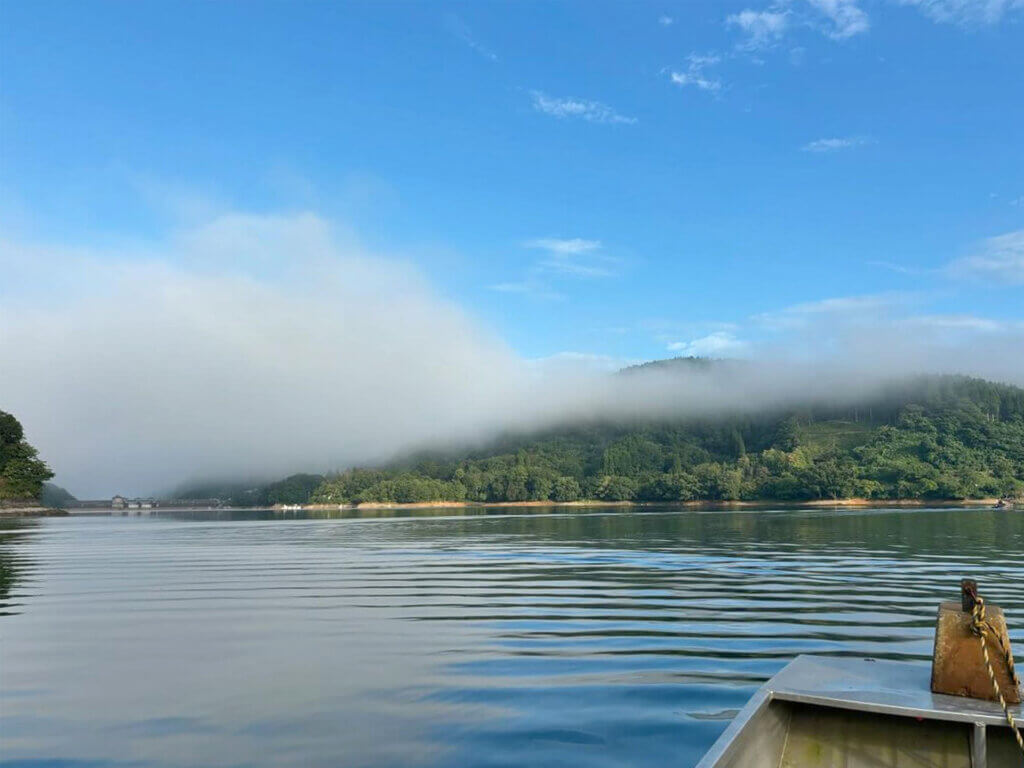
(921, 440)
(31, 510)
(711, 504)
(927, 440)
(22, 473)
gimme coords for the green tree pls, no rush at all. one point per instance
(566, 489)
(22, 472)
(787, 435)
(927, 437)
(616, 488)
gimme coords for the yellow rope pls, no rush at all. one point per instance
(983, 628)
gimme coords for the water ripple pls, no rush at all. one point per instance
(441, 639)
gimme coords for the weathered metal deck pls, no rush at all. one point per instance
(823, 712)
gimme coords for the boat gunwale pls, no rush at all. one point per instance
(799, 683)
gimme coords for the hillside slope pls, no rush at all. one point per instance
(936, 437)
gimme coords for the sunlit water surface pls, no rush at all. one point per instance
(448, 639)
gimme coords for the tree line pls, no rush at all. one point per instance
(22, 472)
(937, 437)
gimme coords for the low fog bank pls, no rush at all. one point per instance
(261, 346)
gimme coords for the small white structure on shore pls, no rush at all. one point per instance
(120, 502)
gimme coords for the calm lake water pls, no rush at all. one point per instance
(447, 639)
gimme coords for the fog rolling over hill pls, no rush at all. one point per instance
(211, 352)
(920, 438)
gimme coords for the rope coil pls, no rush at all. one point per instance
(982, 627)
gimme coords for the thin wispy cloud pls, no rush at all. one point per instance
(718, 344)
(836, 144)
(765, 27)
(561, 260)
(998, 260)
(869, 336)
(962, 323)
(573, 257)
(568, 246)
(761, 29)
(249, 330)
(666, 21)
(965, 12)
(843, 18)
(900, 269)
(567, 266)
(461, 30)
(582, 109)
(812, 312)
(841, 304)
(695, 75)
(534, 289)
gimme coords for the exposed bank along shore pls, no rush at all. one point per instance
(696, 504)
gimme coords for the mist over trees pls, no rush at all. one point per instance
(294, 489)
(934, 437)
(22, 472)
(55, 496)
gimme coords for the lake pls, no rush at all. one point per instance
(453, 638)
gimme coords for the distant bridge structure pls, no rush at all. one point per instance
(120, 503)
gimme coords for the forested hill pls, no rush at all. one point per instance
(937, 437)
(22, 473)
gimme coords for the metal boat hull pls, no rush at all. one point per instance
(861, 713)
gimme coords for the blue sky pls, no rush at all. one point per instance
(630, 180)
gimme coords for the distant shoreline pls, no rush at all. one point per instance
(32, 511)
(852, 503)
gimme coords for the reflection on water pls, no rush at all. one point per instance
(449, 639)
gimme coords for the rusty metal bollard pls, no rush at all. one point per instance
(958, 667)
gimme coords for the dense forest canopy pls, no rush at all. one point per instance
(22, 473)
(926, 437)
(930, 437)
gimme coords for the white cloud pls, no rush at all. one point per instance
(845, 17)
(568, 266)
(845, 304)
(695, 74)
(998, 259)
(811, 312)
(532, 288)
(882, 335)
(591, 111)
(666, 21)
(961, 323)
(564, 258)
(838, 19)
(836, 144)
(461, 30)
(717, 344)
(574, 257)
(965, 12)
(567, 246)
(762, 28)
(898, 268)
(253, 346)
